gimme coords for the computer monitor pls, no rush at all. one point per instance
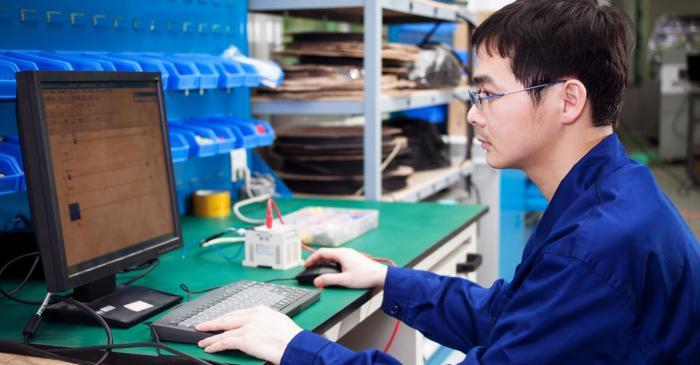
(100, 183)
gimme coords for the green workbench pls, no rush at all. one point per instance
(407, 232)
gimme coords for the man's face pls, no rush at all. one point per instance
(514, 132)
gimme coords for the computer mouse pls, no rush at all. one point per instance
(307, 276)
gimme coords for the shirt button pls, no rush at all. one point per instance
(394, 310)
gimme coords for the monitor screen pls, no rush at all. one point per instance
(99, 173)
(109, 169)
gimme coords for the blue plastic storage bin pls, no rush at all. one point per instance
(77, 62)
(431, 114)
(415, 33)
(8, 67)
(249, 135)
(120, 64)
(149, 65)
(263, 130)
(224, 139)
(184, 75)
(8, 85)
(42, 62)
(12, 175)
(231, 74)
(252, 78)
(202, 141)
(255, 132)
(209, 75)
(179, 148)
(221, 128)
(105, 64)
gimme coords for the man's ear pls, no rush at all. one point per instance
(573, 98)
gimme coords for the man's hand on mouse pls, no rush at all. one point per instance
(359, 271)
(260, 332)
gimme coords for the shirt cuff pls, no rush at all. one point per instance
(398, 288)
(303, 348)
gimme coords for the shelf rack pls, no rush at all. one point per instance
(373, 14)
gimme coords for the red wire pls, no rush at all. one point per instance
(306, 248)
(277, 211)
(393, 336)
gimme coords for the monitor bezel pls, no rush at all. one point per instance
(41, 186)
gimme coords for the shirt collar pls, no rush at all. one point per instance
(608, 155)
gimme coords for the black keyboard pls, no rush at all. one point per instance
(179, 324)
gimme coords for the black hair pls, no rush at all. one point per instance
(547, 40)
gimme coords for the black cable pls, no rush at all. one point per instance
(189, 291)
(10, 295)
(129, 346)
(100, 320)
(279, 279)
(141, 266)
(675, 121)
(426, 38)
(150, 268)
(154, 334)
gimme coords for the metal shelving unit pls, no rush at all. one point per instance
(373, 14)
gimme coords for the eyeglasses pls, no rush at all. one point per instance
(478, 100)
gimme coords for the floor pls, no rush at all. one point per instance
(673, 180)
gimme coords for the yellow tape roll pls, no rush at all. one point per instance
(211, 203)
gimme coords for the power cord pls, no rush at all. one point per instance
(11, 294)
(240, 204)
(392, 155)
(33, 324)
(189, 291)
(152, 266)
(34, 321)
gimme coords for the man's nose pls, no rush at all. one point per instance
(474, 117)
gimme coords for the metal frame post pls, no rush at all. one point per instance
(372, 98)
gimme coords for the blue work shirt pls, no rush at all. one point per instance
(611, 275)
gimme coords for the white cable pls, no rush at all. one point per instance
(223, 240)
(386, 162)
(237, 209)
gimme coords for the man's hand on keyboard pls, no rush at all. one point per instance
(260, 332)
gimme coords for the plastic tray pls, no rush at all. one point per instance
(120, 64)
(77, 62)
(179, 148)
(149, 65)
(252, 78)
(184, 75)
(223, 138)
(209, 75)
(262, 130)
(42, 62)
(231, 74)
(202, 141)
(221, 129)
(11, 182)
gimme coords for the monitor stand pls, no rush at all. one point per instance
(121, 306)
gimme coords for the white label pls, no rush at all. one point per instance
(138, 306)
(105, 309)
(265, 250)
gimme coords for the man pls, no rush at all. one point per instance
(611, 274)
